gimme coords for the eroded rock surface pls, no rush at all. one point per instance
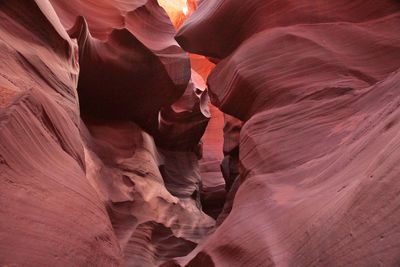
(299, 170)
(50, 214)
(98, 192)
(317, 87)
(131, 66)
(153, 211)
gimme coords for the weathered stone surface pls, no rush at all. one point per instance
(316, 86)
(217, 28)
(131, 66)
(308, 145)
(91, 193)
(50, 214)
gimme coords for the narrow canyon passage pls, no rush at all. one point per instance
(213, 139)
(199, 133)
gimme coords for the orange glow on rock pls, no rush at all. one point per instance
(178, 10)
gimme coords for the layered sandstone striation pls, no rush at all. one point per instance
(131, 66)
(114, 189)
(317, 87)
(50, 214)
(111, 154)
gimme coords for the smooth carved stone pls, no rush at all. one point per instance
(217, 28)
(313, 61)
(182, 125)
(311, 142)
(326, 195)
(121, 78)
(50, 214)
(148, 193)
(129, 69)
(230, 163)
(144, 19)
(317, 89)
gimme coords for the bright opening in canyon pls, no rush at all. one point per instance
(199, 133)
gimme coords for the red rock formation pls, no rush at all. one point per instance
(310, 143)
(235, 21)
(182, 125)
(141, 77)
(212, 191)
(327, 200)
(96, 197)
(316, 85)
(50, 214)
(154, 217)
(328, 55)
(133, 52)
(178, 10)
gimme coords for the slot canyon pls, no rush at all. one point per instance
(200, 133)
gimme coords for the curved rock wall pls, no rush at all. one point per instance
(310, 92)
(98, 192)
(131, 66)
(50, 214)
(316, 85)
(153, 213)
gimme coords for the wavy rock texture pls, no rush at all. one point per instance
(50, 214)
(330, 200)
(131, 66)
(212, 192)
(152, 197)
(317, 86)
(99, 192)
(249, 17)
(182, 124)
(335, 58)
(155, 214)
(301, 170)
